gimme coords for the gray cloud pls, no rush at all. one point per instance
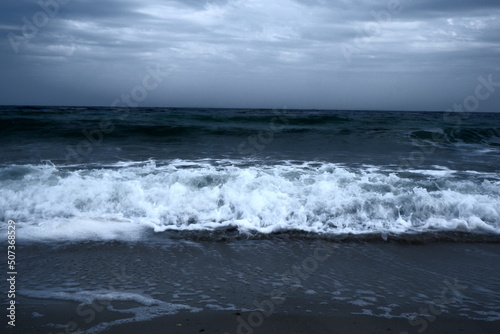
(253, 53)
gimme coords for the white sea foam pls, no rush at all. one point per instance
(149, 308)
(87, 297)
(124, 201)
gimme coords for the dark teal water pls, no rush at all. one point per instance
(69, 135)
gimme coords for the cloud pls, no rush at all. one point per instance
(253, 52)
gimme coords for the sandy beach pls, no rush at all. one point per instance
(300, 286)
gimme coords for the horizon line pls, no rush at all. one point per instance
(236, 108)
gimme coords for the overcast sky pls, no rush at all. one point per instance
(315, 54)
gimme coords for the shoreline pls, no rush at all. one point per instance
(417, 238)
(294, 284)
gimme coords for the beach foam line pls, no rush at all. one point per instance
(122, 203)
(148, 310)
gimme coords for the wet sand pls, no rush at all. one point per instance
(212, 322)
(258, 286)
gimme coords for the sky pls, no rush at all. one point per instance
(303, 54)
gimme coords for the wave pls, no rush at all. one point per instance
(333, 130)
(124, 201)
(486, 135)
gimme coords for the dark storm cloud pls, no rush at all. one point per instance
(253, 52)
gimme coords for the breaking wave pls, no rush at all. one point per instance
(125, 200)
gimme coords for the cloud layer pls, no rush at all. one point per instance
(348, 54)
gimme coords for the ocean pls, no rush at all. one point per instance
(165, 191)
(66, 171)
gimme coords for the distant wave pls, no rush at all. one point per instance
(484, 135)
(30, 123)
